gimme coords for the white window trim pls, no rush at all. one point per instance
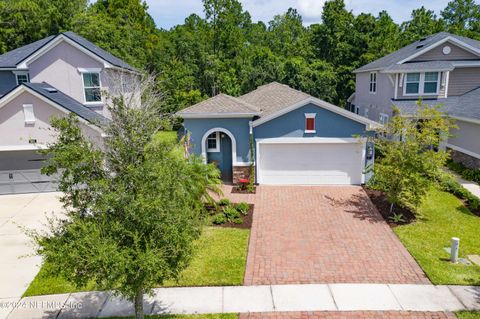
(217, 140)
(98, 71)
(17, 73)
(421, 85)
(28, 114)
(310, 116)
(370, 82)
(383, 116)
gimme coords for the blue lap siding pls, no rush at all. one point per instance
(292, 124)
(239, 127)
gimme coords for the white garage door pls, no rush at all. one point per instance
(300, 163)
(20, 173)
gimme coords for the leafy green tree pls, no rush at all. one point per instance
(122, 27)
(411, 156)
(287, 36)
(463, 17)
(26, 21)
(133, 205)
(423, 23)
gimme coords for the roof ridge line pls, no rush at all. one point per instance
(248, 105)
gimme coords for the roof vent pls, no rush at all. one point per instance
(51, 90)
(420, 46)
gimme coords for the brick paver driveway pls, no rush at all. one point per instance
(323, 234)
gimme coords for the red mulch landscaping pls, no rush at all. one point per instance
(380, 201)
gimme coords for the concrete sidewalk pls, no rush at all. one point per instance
(473, 187)
(244, 299)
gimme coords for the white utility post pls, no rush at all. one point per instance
(454, 249)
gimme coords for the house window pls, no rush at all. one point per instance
(213, 142)
(373, 82)
(412, 84)
(22, 78)
(310, 122)
(28, 114)
(91, 85)
(421, 83)
(383, 118)
(431, 83)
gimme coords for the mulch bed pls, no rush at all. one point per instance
(238, 190)
(380, 201)
(247, 220)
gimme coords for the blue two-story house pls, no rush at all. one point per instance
(296, 138)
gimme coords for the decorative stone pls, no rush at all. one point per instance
(240, 172)
(465, 159)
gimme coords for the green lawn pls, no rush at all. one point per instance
(443, 216)
(468, 314)
(219, 260)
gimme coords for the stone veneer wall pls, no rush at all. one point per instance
(240, 172)
(465, 159)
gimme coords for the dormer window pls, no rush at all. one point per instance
(91, 87)
(310, 122)
(22, 77)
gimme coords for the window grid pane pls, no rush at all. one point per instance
(430, 87)
(413, 77)
(431, 77)
(91, 82)
(412, 88)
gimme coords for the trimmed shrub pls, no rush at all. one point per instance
(467, 173)
(219, 219)
(449, 183)
(231, 213)
(224, 202)
(243, 208)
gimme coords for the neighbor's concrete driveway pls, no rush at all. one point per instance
(29, 211)
(323, 234)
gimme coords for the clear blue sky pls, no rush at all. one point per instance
(168, 13)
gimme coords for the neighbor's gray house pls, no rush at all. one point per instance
(297, 139)
(54, 76)
(442, 69)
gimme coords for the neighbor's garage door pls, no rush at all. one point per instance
(300, 163)
(20, 173)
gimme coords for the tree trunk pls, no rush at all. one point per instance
(139, 304)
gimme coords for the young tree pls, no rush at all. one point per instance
(133, 205)
(411, 155)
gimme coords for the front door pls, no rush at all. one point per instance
(226, 155)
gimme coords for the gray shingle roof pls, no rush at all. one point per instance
(66, 102)
(273, 97)
(420, 66)
(12, 58)
(466, 105)
(221, 103)
(413, 48)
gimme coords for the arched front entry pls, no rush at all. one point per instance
(219, 147)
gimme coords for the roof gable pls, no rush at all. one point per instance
(420, 47)
(21, 57)
(436, 53)
(55, 98)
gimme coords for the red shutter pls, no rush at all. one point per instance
(310, 125)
